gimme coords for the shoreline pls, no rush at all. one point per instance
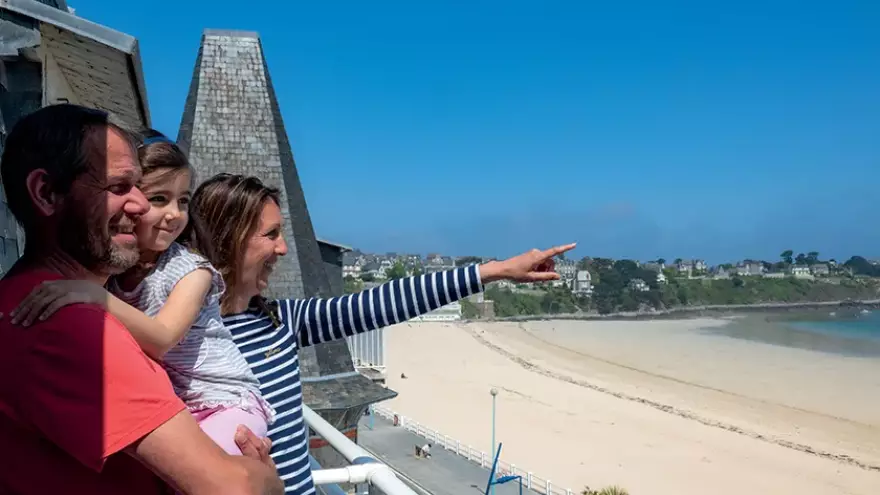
(690, 312)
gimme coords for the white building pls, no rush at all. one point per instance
(801, 271)
(567, 269)
(450, 312)
(583, 283)
(638, 285)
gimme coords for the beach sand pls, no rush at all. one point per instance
(657, 407)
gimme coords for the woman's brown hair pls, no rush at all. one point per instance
(229, 207)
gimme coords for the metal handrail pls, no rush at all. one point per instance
(364, 467)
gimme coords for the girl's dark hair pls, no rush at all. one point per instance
(160, 157)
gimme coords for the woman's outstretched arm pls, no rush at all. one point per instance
(322, 320)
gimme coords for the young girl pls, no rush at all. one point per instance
(170, 302)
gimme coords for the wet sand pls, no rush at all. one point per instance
(660, 407)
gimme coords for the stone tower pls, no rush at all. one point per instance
(232, 123)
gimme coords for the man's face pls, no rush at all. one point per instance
(100, 212)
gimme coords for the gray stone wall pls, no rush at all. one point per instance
(332, 258)
(232, 123)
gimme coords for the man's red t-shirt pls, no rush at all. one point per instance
(75, 390)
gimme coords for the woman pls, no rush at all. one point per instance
(243, 218)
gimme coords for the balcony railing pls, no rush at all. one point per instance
(364, 469)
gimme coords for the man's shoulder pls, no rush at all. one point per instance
(70, 329)
(14, 287)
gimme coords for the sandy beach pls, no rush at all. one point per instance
(657, 407)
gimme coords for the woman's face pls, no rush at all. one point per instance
(262, 251)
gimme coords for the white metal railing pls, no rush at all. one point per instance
(363, 469)
(531, 481)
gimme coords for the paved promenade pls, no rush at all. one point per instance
(445, 473)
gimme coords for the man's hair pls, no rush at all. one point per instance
(55, 139)
(229, 208)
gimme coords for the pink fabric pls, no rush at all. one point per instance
(220, 424)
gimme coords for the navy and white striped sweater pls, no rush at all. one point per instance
(271, 351)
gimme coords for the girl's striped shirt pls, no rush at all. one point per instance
(271, 351)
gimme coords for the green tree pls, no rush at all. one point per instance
(417, 270)
(800, 259)
(396, 271)
(468, 309)
(812, 257)
(351, 285)
(584, 263)
(677, 260)
(661, 261)
(786, 256)
(368, 277)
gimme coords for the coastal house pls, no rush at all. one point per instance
(638, 285)
(722, 273)
(801, 272)
(685, 267)
(567, 269)
(373, 269)
(661, 277)
(820, 270)
(352, 263)
(749, 268)
(582, 285)
(438, 263)
(691, 267)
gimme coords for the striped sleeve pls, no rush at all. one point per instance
(322, 320)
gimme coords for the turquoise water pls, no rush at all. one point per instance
(857, 326)
(845, 332)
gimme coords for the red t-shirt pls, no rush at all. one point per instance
(75, 390)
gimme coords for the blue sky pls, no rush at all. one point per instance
(638, 129)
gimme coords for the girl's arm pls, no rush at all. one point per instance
(156, 335)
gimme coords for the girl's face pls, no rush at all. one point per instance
(168, 192)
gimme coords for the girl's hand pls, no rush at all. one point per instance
(533, 266)
(50, 296)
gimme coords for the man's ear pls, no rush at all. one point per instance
(40, 191)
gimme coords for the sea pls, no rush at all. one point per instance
(845, 331)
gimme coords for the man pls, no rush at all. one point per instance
(82, 408)
(423, 451)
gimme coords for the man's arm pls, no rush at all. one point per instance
(188, 460)
(90, 390)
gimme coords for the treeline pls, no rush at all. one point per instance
(617, 288)
(612, 298)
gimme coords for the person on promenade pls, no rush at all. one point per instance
(82, 408)
(170, 302)
(243, 218)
